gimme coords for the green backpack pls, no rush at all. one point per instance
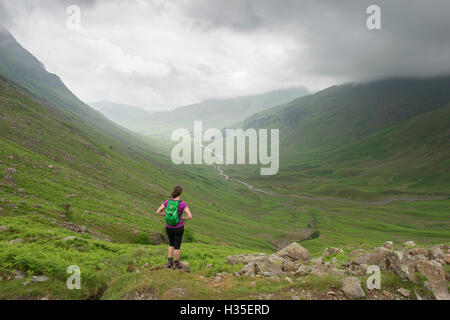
(172, 217)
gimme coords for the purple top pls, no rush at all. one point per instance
(181, 206)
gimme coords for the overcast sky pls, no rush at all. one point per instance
(162, 54)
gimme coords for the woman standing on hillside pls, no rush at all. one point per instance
(174, 225)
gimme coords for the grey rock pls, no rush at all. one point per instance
(352, 289)
(436, 278)
(402, 264)
(409, 243)
(388, 245)
(404, 292)
(436, 253)
(294, 252)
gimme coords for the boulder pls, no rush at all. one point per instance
(68, 238)
(317, 261)
(294, 252)
(4, 228)
(83, 229)
(352, 289)
(378, 257)
(436, 253)
(409, 243)
(261, 267)
(246, 258)
(436, 278)
(275, 259)
(249, 269)
(388, 245)
(402, 264)
(447, 258)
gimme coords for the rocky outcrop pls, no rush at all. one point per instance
(403, 264)
(436, 278)
(407, 263)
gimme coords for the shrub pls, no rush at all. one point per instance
(143, 238)
(189, 236)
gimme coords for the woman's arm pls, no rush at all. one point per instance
(160, 210)
(188, 212)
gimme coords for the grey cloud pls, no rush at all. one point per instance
(223, 48)
(414, 41)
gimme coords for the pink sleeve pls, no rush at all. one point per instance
(165, 203)
(183, 205)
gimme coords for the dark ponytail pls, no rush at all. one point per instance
(177, 191)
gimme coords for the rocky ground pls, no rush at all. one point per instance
(410, 263)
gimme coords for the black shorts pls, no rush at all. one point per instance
(175, 236)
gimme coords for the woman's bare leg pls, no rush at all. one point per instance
(176, 255)
(170, 253)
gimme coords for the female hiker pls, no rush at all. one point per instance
(174, 225)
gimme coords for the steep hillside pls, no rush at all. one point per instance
(386, 137)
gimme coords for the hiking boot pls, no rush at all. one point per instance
(177, 265)
(169, 264)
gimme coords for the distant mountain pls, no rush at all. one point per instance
(353, 136)
(130, 117)
(218, 113)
